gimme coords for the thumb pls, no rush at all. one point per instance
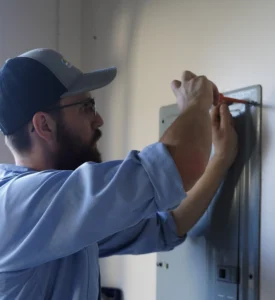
(175, 85)
(225, 116)
(215, 117)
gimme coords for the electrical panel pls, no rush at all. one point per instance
(220, 258)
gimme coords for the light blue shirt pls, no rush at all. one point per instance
(54, 225)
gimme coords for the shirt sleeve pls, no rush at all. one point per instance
(155, 234)
(52, 214)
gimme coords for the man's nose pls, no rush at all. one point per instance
(98, 119)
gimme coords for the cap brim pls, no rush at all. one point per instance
(91, 81)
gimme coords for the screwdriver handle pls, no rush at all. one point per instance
(231, 100)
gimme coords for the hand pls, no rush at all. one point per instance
(224, 135)
(195, 89)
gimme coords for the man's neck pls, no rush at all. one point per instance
(35, 161)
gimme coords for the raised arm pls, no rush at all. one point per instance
(200, 196)
(188, 139)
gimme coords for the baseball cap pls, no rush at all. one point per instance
(38, 79)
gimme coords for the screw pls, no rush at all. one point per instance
(159, 264)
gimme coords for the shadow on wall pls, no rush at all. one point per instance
(221, 212)
(267, 254)
(109, 33)
(109, 43)
(266, 138)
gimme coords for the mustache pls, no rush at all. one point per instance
(97, 135)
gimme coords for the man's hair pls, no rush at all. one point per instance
(20, 141)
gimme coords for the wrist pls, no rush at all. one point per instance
(200, 105)
(196, 109)
(220, 163)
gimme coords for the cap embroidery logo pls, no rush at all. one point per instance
(66, 63)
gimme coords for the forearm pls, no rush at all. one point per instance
(199, 197)
(188, 140)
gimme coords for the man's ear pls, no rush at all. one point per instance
(44, 126)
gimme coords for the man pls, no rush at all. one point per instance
(61, 208)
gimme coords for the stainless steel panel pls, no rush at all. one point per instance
(227, 236)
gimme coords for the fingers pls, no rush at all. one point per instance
(175, 85)
(226, 118)
(193, 83)
(221, 116)
(216, 94)
(215, 116)
(187, 75)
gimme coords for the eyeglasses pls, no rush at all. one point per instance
(89, 102)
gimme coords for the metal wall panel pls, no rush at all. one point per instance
(220, 258)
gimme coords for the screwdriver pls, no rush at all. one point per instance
(230, 100)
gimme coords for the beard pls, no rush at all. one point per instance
(72, 152)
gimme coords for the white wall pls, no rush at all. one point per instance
(152, 42)
(28, 24)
